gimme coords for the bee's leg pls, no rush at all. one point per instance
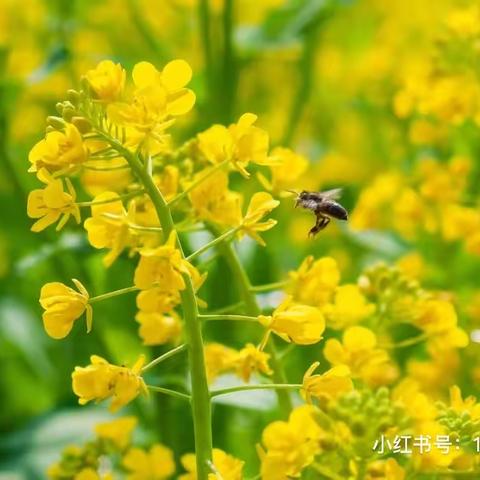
(320, 224)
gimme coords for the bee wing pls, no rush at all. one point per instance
(333, 194)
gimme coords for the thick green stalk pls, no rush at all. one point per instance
(200, 398)
(252, 308)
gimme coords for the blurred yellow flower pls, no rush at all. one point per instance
(250, 359)
(163, 267)
(388, 469)
(157, 328)
(156, 464)
(108, 225)
(315, 281)
(328, 385)
(118, 431)
(227, 466)
(63, 306)
(261, 204)
(290, 446)
(156, 300)
(60, 150)
(349, 307)
(358, 350)
(214, 202)
(240, 144)
(101, 380)
(462, 406)
(167, 181)
(300, 324)
(107, 80)
(286, 171)
(51, 203)
(218, 359)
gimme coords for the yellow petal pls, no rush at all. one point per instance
(176, 74)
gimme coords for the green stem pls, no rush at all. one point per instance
(204, 21)
(116, 293)
(165, 356)
(229, 64)
(263, 386)
(214, 242)
(269, 287)
(252, 307)
(244, 318)
(200, 398)
(406, 343)
(167, 391)
(126, 196)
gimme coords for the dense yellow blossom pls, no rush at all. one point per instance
(63, 306)
(157, 463)
(101, 380)
(227, 466)
(300, 324)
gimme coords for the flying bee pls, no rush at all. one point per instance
(324, 206)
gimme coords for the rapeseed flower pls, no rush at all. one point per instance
(101, 380)
(219, 359)
(156, 464)
(328, 385)
(315, 281)
(227, 466)
(358, 351)
(108, 227)
(300, 324)
(261, 204)
(250, 359)
(63, 306)
(107, 80)
(52, 203)
(60, 150)
(290, 446)
(118, 431)
(157, 328)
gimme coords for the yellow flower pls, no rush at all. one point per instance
(87, 474)
(315, 281)
(158, 97)
(157, 328)
(101, 380)
(330, 384)
(63, 306)
(59, 150)
(459, 405)
(359, 352)
(251, 359)
(108, 225)
(163, 267)
(228, 467)
(167, 181)
(300, 324)
(156, 464)
(385, 470)
(214, 202)
(240, 144)
(260, 205)
(107, 80)
(118, 431)
(290, 446)
(51, 203)
(349, 307)
(439, 319)
(218, 359)
(288, 169)
(155, 300)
